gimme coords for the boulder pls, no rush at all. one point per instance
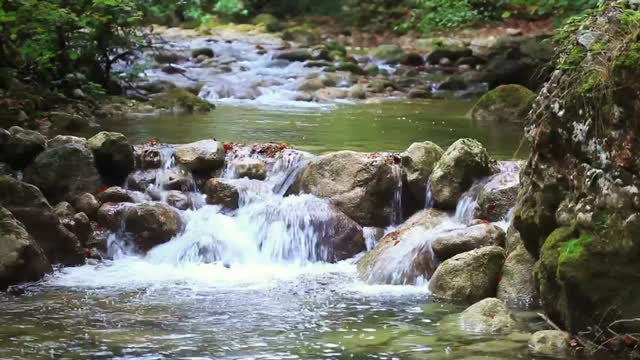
(361, 185)
(151, 224)
(172, 179)
(404, 256)
(111, 215)
(451, 53)
(18, 147)
(203, 156)
(179, 200)
(504, 104)
(469, 277)
(113, 155)
(488, 316)
(151, 156)
(313, 84)
(64, 172)
(206, 52)
(465, 161)
(64, 210)
(295, 55)
(330, 94)
(88, 204)
(27, 203)
(416, 93)
(517, 286)
(302, 35)
(180, 101)
(222, 192)
(114, 194)
(21, 258)
(60, 140)
(418, 162)
(412, 59)
(452, 243)
(550, 344)
(68, 121)
(498, 196)
(250, 168)
(6, 170)
(270, 22)
(357, 92)
(81, 227)
(389, 53)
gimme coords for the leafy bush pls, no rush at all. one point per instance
(438, 14)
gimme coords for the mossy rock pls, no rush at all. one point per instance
(389, 53)
(270, 22)
(181, 100)
(506, 103)
(303, 35)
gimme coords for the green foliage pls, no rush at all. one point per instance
(438, 14)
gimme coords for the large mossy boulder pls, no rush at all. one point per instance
(418, 162)
(504, 104)
(64, 172)
(27, 203)
(113, 155)
(179, 101)
(21, 258)
(464, 161)
(359, 184)
(404, 256)
(18, 147)
(203, 156)
(469, 277)
(577, 212)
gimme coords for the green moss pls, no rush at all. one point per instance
(629, 58)
(181, 98)
(630, 19)
(574, 248)
(589, 83)
(573, 58)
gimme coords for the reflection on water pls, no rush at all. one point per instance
(387, 126)
(209, 311)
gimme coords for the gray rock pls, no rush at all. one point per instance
(465, 161)
(488, 316)
(361, 185)
(418, 162)
(151, 224)
(222, 192)
(64, 172)
(201, 156)
(550, 343)
(18, 147)
(469, 277)
(114, 194)
(179, 200)
(455, 242)
(113, 155)
(250, 168)
(21, 258)
(517, 286)
(88, 204)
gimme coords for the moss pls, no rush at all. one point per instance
(183, 99)
(630, 20)
(573, 58)
(629, 58)
(589, 83)
(573, 249)
(506, 103)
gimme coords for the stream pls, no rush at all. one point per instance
(249, 285)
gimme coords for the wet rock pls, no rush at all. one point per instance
(302, 35)
(6, 170)
(67, 121)
(87, 204)
(60, 140)
(179, 200)
(469, 277)
(111, 215)
(506, 103)
(21, 258)
(295, 55)
(31, 208)
(202, 156)
(64, 172)
(172, 179)
(312, 84)
(165, 57)
(489, 316)
(151, 224)
(451, 53)
(81, 228)
(181, 101)
(350, 67)
(473, 237)
(465, 161)
(389, 53)
(172, 69)
(340, 237)
(64, 210)
(270, 22)
(207, 52)
(18, 147)
(359, 184)
(328, 94)
(113, 155)
(418, 162)
(517, 286)
(148, 157)
(416, 93)
(155, 86)
(499, 195)
(222, 192)
(550, 343)
(413, 59)
(403, 256)
(357, 92)
(114, 194)
(250, 168)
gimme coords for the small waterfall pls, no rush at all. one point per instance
(396, 215)
(467, 205)
(428, 200)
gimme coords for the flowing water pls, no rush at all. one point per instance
(254, 283)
